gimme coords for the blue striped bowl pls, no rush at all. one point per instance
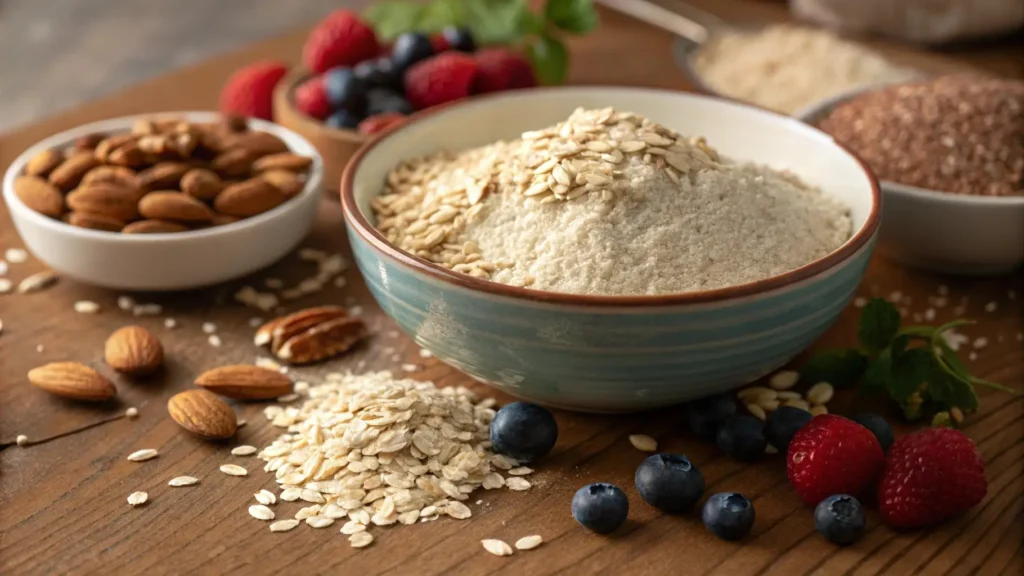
(613, 353)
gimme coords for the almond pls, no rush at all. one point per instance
(223, 219)
(153, 227)
(43, 163)
(248, 198)
(111, 143)
(119, 175)
(257, 143)
(245, 382)
(71, 171)
(89, 141)
(131, 154)
(72, 380)
(203, 414)
(297, 323)
(234, 162)
(133, 350)
(105, 199)
(39, 195)
(289, 183)
(163, 175)
(323, 341)
(282, 161)
(171, 205)
(233, 123)
(201, 184)
(95, 221)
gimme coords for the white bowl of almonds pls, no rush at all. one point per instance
(164, 201)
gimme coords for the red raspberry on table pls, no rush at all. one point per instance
(833, 455)
(930, 476)
(380, 122)
(250, 90)
(500, 69)
(439, 79)
(340, 39)
(311, 98)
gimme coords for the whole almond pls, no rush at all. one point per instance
(323, 341)
(282, 161)
(111, 143)
(89, 141)
(39, 195)
(203, 414)
(289, 183)
(233, 123)
(105, 199)
(201, 184)
(245, 382)
(131, 154)
(233, 162)
(43, 163)
(257, 143)
(248, 198)
(71, 171)
(170, 205)
(163, 175)
(153, 227)
(95, 221)
(133, 350)
(119, 175)
(72, 380)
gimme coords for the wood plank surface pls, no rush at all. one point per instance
(62, 502)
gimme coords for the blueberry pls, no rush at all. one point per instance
(840, 519)
(409, 49)
(669, 482)
(705, 415)
(380, 100)
(342, 119)
(600, 507)
(783, 424)
(523, 431)
(728, 515)
(379, 73)
(344, 90)
(878, 426)
(742, 438)
(460, 39)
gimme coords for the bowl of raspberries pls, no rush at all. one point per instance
(351, 85)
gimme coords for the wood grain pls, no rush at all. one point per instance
(62, 503)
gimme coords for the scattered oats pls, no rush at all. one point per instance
(312, 254)
(301, 386)
(352, 527)
(233, 470)
(529, 542)
(929, 314)
(288, 398)
(5, 285)
(340, 282)
(524, 470)
(396, 357)
(954, 339)
(972, 356)
(143, 455)
(125, 303)
(458, 510)
(291, 494)
(311, 496)
(410, 367)
(424, 353)
(244, 450)
(820, 393)
(182, 481)
(214, 341)
(784, 380)
(283, 525)
(757, 411)
(256, 322)
(360, 539)
(356, 310)
(38, 281)
(3, 268)
(943, 290)
(147, 309)
(261, 512)
(209, 327)
(170, 323)
(818, 410)
(138, 498)
(273, 283)
(242, 422)
(86, 307)
(497, 547)
(860, 302)
(641, 442)
(980, 343)
(16, 255)
(389, 350)
(516, 483)
(269, 363)
(21, 440)
(39, 348)
(895, 296)
(991, 307)
(131, 412)
(319, 521)
(769, 449)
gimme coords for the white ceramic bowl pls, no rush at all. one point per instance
(161, 262)
(950, 233)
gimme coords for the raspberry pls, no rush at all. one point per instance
(311, 98)
(340, 39)
(930, 476)
(833, 455)
(380, 122)
(500, 69)
(250, 90)
(439, 79)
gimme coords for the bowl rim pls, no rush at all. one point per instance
(812, 113)
(62, 139)
(361, 226)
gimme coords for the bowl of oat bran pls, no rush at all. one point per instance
(645, 263)
(949, 153)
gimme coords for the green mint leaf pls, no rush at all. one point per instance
(497, 21)
(878, 375)
(438, 14)
(390, 19)
(840, 367)
(949, 361)
(993, 385)
(899, 345)
(879, 323)
(550, 59)
(909, 370)
(573, 16)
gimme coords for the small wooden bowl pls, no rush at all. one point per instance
(335, 146)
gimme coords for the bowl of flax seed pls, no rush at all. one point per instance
(949, 153)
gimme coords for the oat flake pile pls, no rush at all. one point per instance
(607, 203)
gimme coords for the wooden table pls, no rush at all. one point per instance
(62, 502)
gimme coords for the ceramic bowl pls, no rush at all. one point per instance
(613, 353)
(948, 233)
(161, 262)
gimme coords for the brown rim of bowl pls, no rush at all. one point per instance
(284, 92)
(370, 234)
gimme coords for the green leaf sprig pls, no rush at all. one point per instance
(913, 365)
(506, 22)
